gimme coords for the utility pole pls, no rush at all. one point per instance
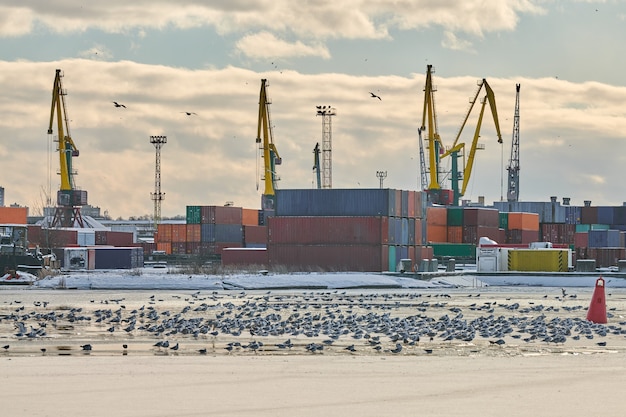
(381, 177)
(327, 170)
(157, 196)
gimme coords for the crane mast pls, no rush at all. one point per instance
(69, 199)
(513, 168)
(316, 164)
(267, 150)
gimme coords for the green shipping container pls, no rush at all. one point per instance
(392, 258)
(455, 216)
(504, 221)
(193, 214)
(582, 228)
(454, 250)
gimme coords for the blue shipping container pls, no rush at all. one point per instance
(604, 238)
(336, 202)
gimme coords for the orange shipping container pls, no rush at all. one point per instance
(523, 221)
(165, 247)
(13, 215)
(164, 232)
(249, 217)
(436, 233)
(179, 233)
(455, 234)
(193, 232)
(437, 216)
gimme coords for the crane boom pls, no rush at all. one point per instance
(266, 146)
(67, 148)
(513, 168)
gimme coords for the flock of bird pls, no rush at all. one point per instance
(298, 323)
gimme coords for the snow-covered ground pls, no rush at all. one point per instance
(166, 278)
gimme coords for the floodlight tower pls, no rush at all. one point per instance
(381, 176)
(327, 112)
(157, 196)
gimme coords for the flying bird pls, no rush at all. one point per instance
(116, 104)
(189, 113)
(375, 96)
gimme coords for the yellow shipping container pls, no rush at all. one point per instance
(538, 260)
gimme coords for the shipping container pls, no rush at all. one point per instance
(249, 217)
(411, 204)
(503, 220)
(221, 215)
(605, 214)
(421, 202)
(581, 240)
(619, 215)
(436, 233)
(117, 258)
(58, 238)
(454, 216)
(194, 215)
(523, 221)
(420, 232)
(338, 202)
(164, 247)
(254, 234)
(13, 215)
(546, 260)
(573, 214)
(480, 216)
(179, 248)
(231, 233)
(113, 238)
(561, 233)
(404, 203)
(85, 237)
(437, 216)
(164, 231)
(454, 250)
(357, 258)
(332, 230)
(603, 238)
(589, 215)
(179, 233)
(519, 237)
(606, 257)
(75, 258)
(244, 256)
(34, 235)
(472, 234)
(193, 232)
(455, 234)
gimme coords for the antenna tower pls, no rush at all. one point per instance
(157, 196)
(327, 112)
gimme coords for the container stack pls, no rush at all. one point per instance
(600, 234)
(347, 229)
(523, 228)
(209, 229)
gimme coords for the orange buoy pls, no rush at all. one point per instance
(597, 307)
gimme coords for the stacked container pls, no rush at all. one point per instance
(346, 229)
(523, 228)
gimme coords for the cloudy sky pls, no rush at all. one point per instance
(164, 58)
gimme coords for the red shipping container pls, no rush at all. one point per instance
(221, 215)
(58, 238)
(358, 258)
(480, 216)
(398, 199)
(606, 257)
(179, 248)
(34, 235)
(516, 236)
(164, 247)
(589, 215)
(419, 227)
(581, 240)
(423, 252)
(13, 215)
(193, 248)
(328, 230)
(472, 234)
(244, 256)
(255, 234)
(437, 216)
(411, 204)
(419, 208)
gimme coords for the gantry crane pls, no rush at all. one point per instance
(513, 168)
(436, 150)
(267, 151)
(457, 147)
(69, 199)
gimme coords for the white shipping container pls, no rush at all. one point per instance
(75, 258)
(86, 237)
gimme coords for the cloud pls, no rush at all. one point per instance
(265, 44)
(350, 19)
(451, 41)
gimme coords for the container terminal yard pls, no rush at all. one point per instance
(382, 230)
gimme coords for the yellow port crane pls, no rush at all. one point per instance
(266, 150)
(69, 199)
(437, 151)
